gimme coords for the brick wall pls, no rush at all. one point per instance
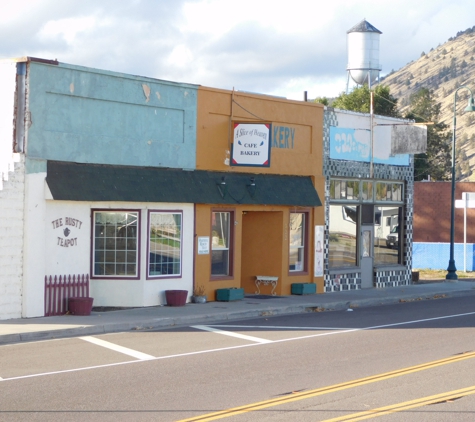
(432, 212)
(11, 242)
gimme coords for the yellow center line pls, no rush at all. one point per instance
(399, 407)
(326, 390)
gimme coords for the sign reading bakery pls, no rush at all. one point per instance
(251, 144)
(67, 228)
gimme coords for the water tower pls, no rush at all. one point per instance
(363, 54)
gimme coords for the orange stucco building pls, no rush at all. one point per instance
(269, 210)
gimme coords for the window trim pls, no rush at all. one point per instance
(162, 276)
(306, 234)
(138, 249)
(231, 248)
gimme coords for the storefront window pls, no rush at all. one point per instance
(220, 243)
(387, 236)
(115, 244)
(367, 191)
(343, 235)
(164, 244)
(353, 189)
(297, 241)
(389, 191)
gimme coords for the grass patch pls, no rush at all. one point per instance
(427, 274)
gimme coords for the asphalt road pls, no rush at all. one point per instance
(408, 362)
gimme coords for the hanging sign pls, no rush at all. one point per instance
(251, 144)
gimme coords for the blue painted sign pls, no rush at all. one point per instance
(355, 145)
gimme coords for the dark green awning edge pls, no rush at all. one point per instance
(95, 182)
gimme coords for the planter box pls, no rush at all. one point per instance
(226, 295)
(80, 305)
(176, 297)
(304, 288)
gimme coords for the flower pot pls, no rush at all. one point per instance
(80, 305)
(198, 299)
(176, 297)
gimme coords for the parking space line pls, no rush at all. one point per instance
(231, 334)
(117, 348)
(279, 327)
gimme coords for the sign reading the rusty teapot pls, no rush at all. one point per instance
(68, 227)
(251, 144)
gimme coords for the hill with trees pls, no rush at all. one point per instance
(440, 72)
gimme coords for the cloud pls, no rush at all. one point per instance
(254, 45)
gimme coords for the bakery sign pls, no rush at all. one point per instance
(251, 144)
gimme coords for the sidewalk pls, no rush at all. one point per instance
(32, 329)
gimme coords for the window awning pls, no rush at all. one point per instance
(95, 182)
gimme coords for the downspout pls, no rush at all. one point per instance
(19, 145)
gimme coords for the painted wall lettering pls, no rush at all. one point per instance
(283, 137)
(65, 240)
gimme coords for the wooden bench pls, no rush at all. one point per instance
(265, 280)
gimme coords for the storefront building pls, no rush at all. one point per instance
(88, 189)
(270, 207)
(368, 201)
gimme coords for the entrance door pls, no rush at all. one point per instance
(261, 251)
(366, 256)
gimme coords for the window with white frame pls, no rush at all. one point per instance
(164, 243)
(115, 244)
(297, 241)
(221, 243)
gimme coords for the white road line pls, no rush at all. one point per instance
(117, 348)
(278, 327)
(222, 349)
(231, 334)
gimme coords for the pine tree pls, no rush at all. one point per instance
(436, 161)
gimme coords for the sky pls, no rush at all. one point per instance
(263, 46)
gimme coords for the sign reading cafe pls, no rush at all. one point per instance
(67, 225)
(251, 144)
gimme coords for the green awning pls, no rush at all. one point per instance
(95, 182)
